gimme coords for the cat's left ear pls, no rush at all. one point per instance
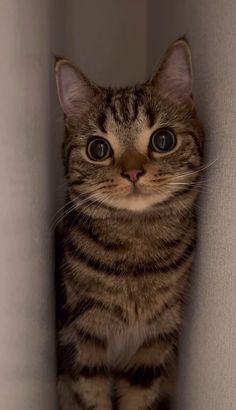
(75, 91)
(174, 76)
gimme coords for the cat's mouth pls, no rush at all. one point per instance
(136, 190)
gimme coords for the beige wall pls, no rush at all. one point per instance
(208, 370)
(107, 38)
(26, 289)
(114, 42)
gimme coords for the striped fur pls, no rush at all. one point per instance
(126, 257)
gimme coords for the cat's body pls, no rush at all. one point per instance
(128, 241)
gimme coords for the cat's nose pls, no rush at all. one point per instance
(133, 174)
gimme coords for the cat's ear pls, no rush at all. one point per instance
(75, 91)
(174, 76)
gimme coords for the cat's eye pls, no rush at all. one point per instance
(98, 149)
(162, 141)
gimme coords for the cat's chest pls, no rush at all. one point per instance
(123, 342)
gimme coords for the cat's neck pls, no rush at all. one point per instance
(155, 222)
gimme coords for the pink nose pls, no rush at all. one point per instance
(133, 174)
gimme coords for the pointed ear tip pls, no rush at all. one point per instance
(183, 41)
(183, 38)
(60, 62)
(57, 58)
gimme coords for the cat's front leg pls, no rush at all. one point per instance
(88, 392)
(66, 397)
(149, 381)
(142, 397)
(83, 379)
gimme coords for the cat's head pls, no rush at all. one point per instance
(134, 147)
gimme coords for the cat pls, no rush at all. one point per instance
(132, 158)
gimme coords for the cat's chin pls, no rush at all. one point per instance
(136, 202)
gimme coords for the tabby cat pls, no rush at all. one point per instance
(132, 159)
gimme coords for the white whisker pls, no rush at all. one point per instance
(201, 169)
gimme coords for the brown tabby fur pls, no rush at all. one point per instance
(126, 257)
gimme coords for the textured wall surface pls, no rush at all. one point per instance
(26, 267)
(208, 356)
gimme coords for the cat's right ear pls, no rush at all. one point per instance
(75, 91)
(174, 76)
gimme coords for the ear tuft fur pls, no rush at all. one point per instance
(74, 89)
(174, 76)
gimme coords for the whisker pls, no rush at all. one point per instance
(200, 169)
(61, 217)
(67, 212)
(85, 220)
(62, 208)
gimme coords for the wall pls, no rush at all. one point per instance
(107, 38)
(26, 283)
(112, 41)
(208, 371)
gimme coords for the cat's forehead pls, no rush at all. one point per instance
(135, 108)
(127, 117)
(125, 105)
(124, 113)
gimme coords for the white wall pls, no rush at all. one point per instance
(208, 371)
(26, 268)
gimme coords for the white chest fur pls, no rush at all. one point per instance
(123, 343)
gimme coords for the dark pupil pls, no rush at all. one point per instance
(163, 141)
(98, 149)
